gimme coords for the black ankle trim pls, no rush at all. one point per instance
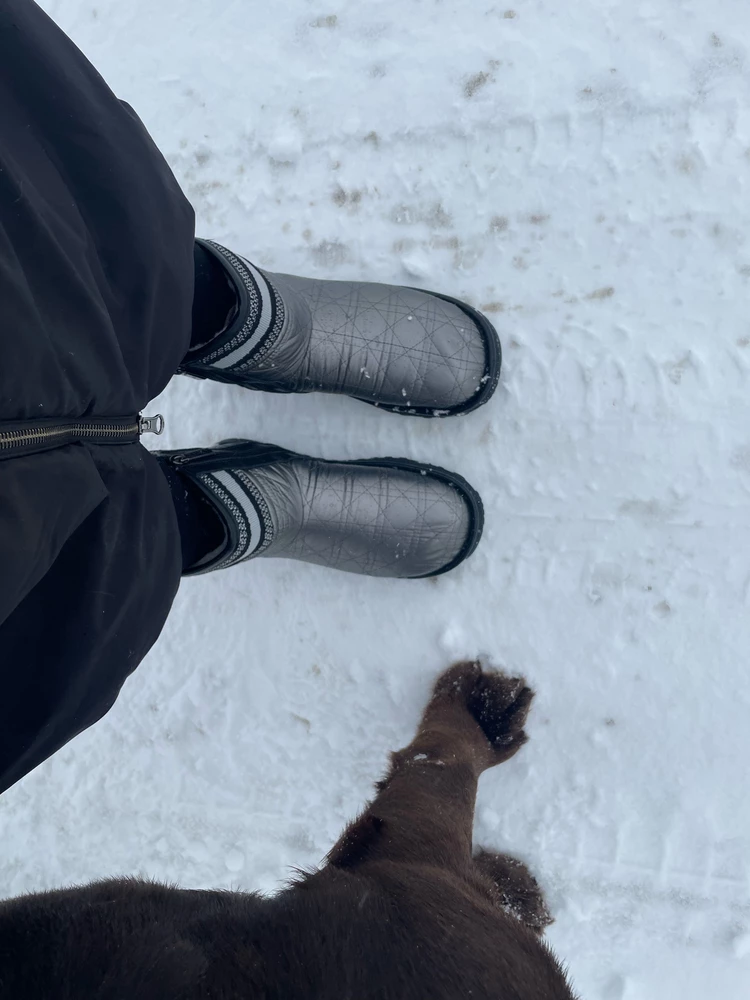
(258, 322)
(203, 533)
(215, 302)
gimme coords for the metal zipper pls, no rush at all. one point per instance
(39, 437)
(151, 425)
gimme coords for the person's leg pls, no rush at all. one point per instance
(68, 647)
(214, 299)
(96, 286)
(202, 531)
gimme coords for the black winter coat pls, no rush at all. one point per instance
(96, 286)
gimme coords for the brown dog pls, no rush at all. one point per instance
(401, 910)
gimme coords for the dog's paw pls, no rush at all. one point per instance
(457, 683)
(498, 703)
(515, 889)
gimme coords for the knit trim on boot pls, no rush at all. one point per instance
(237, 498)
(259, 322)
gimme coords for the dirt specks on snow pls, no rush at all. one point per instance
(432, 215)
(330, 253)
(346, 199)
(329, 21)
(601, 293)
(475, 83)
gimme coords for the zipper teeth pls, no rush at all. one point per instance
(39, 435)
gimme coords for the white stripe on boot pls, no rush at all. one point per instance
(264, 322)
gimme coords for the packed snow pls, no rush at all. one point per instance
(579, 171)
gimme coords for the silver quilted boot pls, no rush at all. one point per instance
(406, 350)
(382, 517)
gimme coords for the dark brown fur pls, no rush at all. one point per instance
(401, 910)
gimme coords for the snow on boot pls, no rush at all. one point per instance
(406, 350)
(380, 517)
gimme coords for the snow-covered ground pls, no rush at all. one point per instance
(580, 170)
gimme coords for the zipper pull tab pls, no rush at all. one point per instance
(151, 425)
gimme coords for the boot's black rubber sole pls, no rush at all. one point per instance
(239, 453)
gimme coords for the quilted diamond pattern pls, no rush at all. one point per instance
(374, 520)
(398, 347)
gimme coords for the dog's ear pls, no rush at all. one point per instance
(153, 967)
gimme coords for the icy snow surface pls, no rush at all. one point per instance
(580, 171)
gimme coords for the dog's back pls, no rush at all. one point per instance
(387, 934)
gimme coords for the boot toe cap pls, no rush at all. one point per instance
(444, 358)
(416, 521)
